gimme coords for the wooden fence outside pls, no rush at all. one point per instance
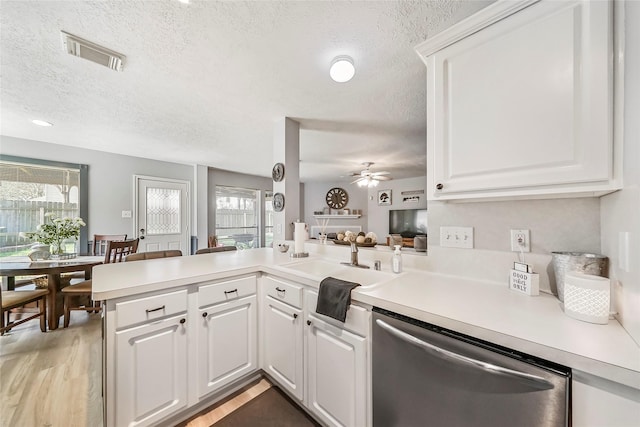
(18, 216)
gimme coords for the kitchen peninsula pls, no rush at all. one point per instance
(163, 345)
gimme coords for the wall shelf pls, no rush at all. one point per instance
(337, 216)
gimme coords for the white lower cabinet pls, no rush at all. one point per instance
(283, 349)
(336, 374)
(598, 402)
(227, 333)
(226, 343)
(150, 369)
(163, 348)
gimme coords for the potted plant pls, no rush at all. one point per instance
(56, 230)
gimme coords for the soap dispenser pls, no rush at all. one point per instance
(396, 261)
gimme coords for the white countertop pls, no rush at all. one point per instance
(484, 309)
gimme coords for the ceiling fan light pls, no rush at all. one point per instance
(373, 183)
(342, 69)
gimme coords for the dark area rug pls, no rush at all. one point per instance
(270, 409)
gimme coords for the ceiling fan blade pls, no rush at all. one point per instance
(357, 180)
(382, 178)
(380, 173)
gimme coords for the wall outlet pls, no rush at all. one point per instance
(456, 237)
(520, 241)
(126, 214)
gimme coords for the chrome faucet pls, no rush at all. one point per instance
(354, 257)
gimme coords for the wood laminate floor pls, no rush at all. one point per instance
(55, 378)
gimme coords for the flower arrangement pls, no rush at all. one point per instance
(56, 230)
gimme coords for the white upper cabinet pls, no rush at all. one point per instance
(520, 102)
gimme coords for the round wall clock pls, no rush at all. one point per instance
(337, 198)
(278, 202)
(278, 172)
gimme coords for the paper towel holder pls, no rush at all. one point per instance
(299, 244)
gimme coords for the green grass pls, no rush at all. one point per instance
(21, 252)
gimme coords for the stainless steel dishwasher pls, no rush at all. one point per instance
(424, 375)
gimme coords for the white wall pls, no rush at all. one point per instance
(379, 215)
(620, 209)
(555, 225)
(314, 200)
(110, 178)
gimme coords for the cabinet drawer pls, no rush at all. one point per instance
(357, 320)
(150, 308)
(283, 291)
(215, 293)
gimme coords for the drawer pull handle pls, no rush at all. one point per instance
(439, 186)
(295, 316)
(204, 314)
(182, 321)
(308, 322)
(281, 290)
(230, 292)
(155, 309)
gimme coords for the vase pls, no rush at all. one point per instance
(59, 250)
(39, 251)
(582, 262)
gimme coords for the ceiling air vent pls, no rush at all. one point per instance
(76, 46)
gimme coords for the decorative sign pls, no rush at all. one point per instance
(384, 198)
(527, 283)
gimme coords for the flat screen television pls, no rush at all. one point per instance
(408, 222)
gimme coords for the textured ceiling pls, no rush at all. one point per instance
(204, 83)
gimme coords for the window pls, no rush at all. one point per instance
(237, 215)
(29, 188)
(244, 217)
(268, 218)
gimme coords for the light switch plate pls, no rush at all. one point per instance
(456, 237)
(126, 214)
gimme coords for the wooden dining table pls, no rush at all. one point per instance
(11, 267)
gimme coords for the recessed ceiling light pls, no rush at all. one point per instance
(185, 1)
(342, 69)
(41, 123)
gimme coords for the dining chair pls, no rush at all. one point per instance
(141, 256)
(218, 249)
(100, 242)
(98, 247)
(10, 300)
(117, 251)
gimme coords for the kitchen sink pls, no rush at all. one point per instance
(319, 269)
(315, 267)
(366, 278)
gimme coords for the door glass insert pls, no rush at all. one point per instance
(163, 211)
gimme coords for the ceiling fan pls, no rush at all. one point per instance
(367, 178)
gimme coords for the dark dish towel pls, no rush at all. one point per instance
(334, 298)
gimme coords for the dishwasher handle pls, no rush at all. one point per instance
(528, 379)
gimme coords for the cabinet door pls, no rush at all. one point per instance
(336, 374)
(283, 354)
(227, 343)
(524, 106)
(151, 372)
